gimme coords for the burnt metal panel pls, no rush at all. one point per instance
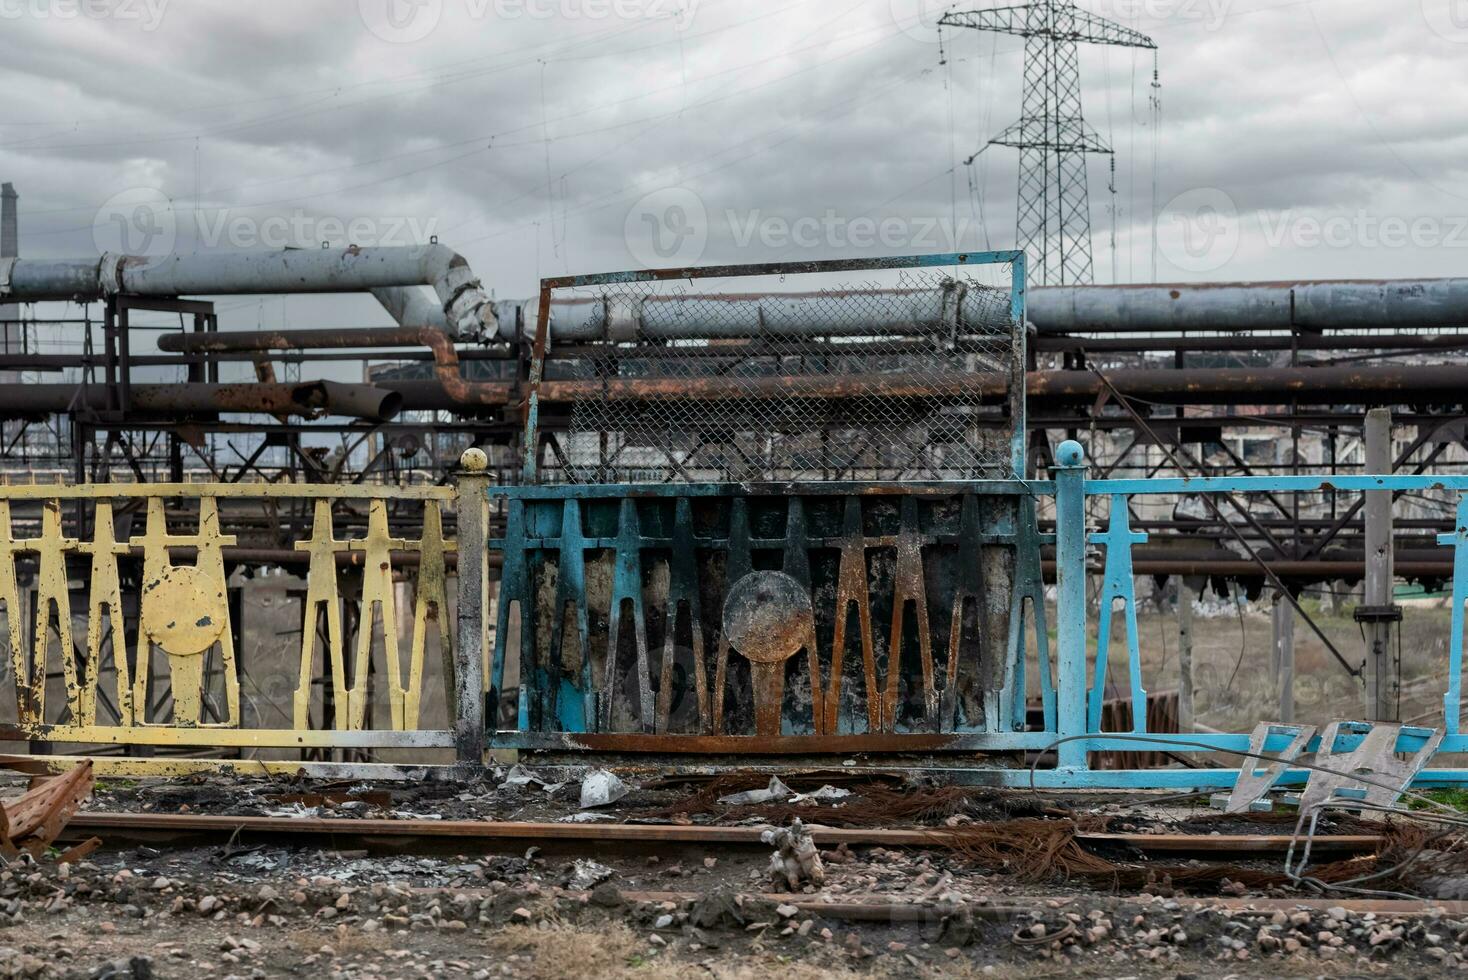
(728, 610)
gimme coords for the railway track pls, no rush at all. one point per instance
(512, 837)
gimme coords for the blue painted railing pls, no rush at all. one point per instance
(1080, 697)
(643, 525)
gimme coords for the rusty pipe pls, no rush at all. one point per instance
(310, 400)
(1375, 384)
(1389, 385)
(446, 366)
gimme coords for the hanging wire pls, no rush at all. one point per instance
(1155, 101)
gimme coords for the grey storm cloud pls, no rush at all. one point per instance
(529, 133)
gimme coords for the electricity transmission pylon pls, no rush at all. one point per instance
(1054, 217)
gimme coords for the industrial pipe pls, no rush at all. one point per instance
(1252, 343)
(1347, 304)
(954, 308)
(1394, 384)
(463, 304)
(1242, 306)
(1375, 385)
(310, 400)
(446, 368)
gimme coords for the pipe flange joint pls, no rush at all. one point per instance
(109, 273)
(624, 318)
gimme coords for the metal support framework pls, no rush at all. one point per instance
(1054, 220)
(934, 684)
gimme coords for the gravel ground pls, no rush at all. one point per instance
(245, 909)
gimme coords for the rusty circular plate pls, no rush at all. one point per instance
(767, 616)
(184, 611)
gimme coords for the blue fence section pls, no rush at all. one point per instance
(869, 615)
(876, 644)
(1078, 730)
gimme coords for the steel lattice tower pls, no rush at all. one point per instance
(1054, 217)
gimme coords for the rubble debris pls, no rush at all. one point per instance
(601, 788)
(519, 777)
(796, 862)
(586, 874)
(921, 904)
(775, 791)
(720, 908)
(32, 821)
(876, 803)
(74, 854)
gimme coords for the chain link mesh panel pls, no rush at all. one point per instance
(717, 381)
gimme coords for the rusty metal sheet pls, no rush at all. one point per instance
(749, 601)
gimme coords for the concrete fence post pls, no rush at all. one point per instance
(1070, 611)
(473, 544)
(1185, 716)
(1381, 670)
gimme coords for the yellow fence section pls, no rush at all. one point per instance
(178, 683)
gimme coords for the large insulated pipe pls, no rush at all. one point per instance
(1349, 304)
(463, 306)
(623, 316)
(1147, 308)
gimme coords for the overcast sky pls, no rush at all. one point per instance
(539, 137)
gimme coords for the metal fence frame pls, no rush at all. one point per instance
(1015, 259)
(1079, 697)
(183, 617)
(1071, 728)
(1073, 725)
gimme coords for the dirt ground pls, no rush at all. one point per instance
(291, 907)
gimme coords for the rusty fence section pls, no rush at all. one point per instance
(783, 515)
(156, 679)
(907, 368)
(767, 618)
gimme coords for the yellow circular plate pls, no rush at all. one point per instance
(184, 612)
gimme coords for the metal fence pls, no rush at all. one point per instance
(159, 667)
(862, 630)
(738, 621)
(1265, 756)
(888, 370)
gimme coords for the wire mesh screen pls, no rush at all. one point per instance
(724, 380)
